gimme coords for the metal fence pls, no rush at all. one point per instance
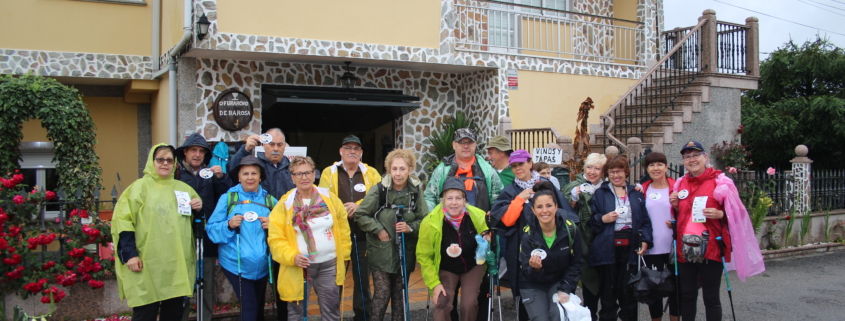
(776, 187)
(533, 31)
(52, 215)
(730, 47)
(827, 189)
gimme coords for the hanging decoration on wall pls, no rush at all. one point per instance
(233, 110)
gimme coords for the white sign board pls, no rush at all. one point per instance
(290, 151)
(551, 156)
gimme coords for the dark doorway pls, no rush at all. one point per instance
(319, 118)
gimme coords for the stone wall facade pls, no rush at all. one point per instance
(74, 64)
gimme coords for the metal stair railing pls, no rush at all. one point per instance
(638, 109)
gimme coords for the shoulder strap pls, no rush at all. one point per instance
(269, 202)
(570, 227)
(233, 199)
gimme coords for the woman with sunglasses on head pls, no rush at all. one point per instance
(707, 203)
(622, 231)
(152, 227)
(657, 191)
(511, 213)
(550, 255)
(382, 226)
(309, 237)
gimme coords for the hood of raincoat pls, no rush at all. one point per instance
(194, 140)
(163, 237)
(150, 168)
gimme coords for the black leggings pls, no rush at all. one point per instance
(709, 273)
(661, 261)
(171, 310)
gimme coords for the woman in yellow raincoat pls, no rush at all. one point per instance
(152, 229)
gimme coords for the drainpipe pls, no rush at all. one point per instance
(171, 74)
(156, 34)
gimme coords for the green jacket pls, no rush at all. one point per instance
(507, 176)
(435, 184)
(431, 236)
(384, 256)
(589, 277)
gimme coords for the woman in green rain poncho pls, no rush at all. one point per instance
(152, 229)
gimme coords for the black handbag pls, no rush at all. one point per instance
(651, 285)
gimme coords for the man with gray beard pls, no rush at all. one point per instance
(278, 182)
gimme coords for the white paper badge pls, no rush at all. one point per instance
(622, 210)
(360, 188)
(586, 188)
(540, 253)
(654, 196)
(698, 205)
(206, 173)
(265, 138)
(454, 250)
(183, 202)
(683, 194)
(250, 216)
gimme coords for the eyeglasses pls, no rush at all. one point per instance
(692, 155)
(272, 145)
(302, 174)
(466, 142)
(160, 160)
(616, 172)
(357, 149)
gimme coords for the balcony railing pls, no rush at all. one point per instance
(530, 31)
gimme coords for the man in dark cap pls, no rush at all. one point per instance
(210, 183)
(350, 179)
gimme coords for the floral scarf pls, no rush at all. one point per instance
(455, 222)
(529, 184)
(303, 212)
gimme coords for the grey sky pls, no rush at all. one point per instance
(773, 32)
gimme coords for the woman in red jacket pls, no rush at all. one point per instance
(657, 191)
(700, 220)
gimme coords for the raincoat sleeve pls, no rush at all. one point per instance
(340, 218)
(373, 178)
(425, 253)
(222, 184)
(525, 248)
(364, 214)
(123, 223)
(496, 186)
(432, 189)
(218, 225)
(327, 180)
(281, 235)
(596, 224)
(746, 257)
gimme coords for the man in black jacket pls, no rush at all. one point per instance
(210, 183)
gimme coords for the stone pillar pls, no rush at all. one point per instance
(801, 179)
(709, 47)
(565, 144)
(752, 47)
(611, 151)
(504, 125)
(634, 152)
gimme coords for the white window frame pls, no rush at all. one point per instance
(39, 156)
(513, 28)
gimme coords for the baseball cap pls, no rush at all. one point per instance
(462, 133)
(500, 142)
(693, 145)
(519, 156)
(351, 139)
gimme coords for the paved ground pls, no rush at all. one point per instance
(796, 288)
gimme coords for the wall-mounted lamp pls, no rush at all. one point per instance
(202, 27)
(347, 81)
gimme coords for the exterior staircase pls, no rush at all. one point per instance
(673, 90)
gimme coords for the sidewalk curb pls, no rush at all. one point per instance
(802, 250)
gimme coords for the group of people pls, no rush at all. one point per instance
(265, 221)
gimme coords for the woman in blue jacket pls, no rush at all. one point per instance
(239, 224)
(622, 230)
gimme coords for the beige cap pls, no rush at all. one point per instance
(500, 142)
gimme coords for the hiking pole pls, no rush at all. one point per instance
(492, 271)
(727, 278)
(427, 304)
(360, 277)
(305, 278)
(200, 279)
(675, 259)
(270, 270)
(400, 240)
(639, 267)
(240, 278)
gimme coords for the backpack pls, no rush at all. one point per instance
(570, 227)
(382, 199)
(233, 200)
